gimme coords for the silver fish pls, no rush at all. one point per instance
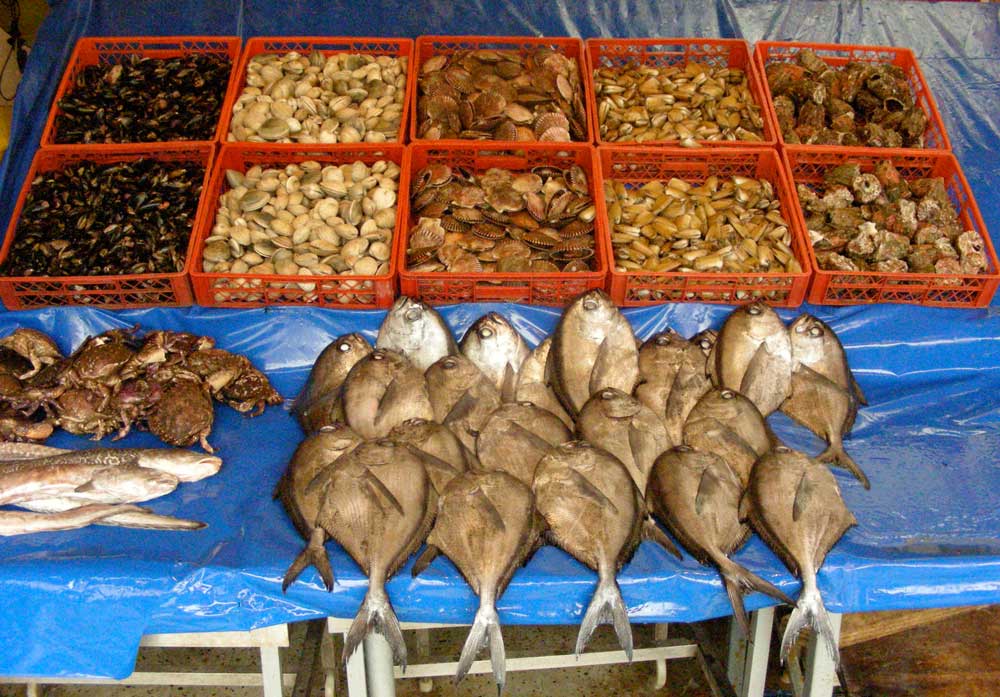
(816, 346)
(516, 436)
(595, 513)
(317, 404)
(417, 331)
(382, 391)
(697, 496)
(378, 504)
(753, 355)
(626, 428)
(660, 358)
(593, 347)
(497, 349)
(534, 387)
(487, 525)
(728, 424)
(796, 507)
(461, 397)
(24, 522)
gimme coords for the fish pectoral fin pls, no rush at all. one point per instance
(484, 502)
(429, 554)
(432, 461)
(85, 487)
(651, 531)
(709, 487)
(380, 492)
(521, 434)
(745, 504)
(591, 491)
(803, 496)
(460, 409)
(757, 380)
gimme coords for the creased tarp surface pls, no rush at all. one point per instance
(927, 533)
(76, 603)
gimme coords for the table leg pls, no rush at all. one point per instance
(270, 671)
(32, 690)
(660, 634)
(820, 672)
(378, 667)
(357, 682)
(747, 665)
(328, 660)
(423, 651)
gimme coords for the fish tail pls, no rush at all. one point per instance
(836, 455)
(810, 612)
(314, 554)
(485, 631)
(376, 615)
(739, 582)
(606, 607)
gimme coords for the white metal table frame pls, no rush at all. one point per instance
(370, 672)
(270, 678)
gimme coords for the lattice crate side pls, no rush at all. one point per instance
(330, 46)
(665, 53)
(431, 45)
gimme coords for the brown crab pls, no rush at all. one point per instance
(183, 415)
(35, 346)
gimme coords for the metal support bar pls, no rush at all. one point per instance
(357, 681)
(748, 656)
(820, 674)
(660, 632)
(162, 678)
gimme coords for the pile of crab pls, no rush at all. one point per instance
(163, 382)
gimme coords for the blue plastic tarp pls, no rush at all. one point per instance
(76, 603)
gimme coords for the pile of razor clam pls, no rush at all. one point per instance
(487, 449)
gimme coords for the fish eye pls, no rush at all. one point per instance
(800, 329)
(754, 309)
(378, 356)
(449, 363)
(684, 449)
(705, 344)
(782, 449)
(607, 394)
(485, 332)
(385, 442)
(662, 340)
(413, 314)
(728, 394)
(344, 347)
(815, 331)
(526, 404)
(589, 304)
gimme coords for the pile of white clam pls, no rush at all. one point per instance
(341, 98)
(304, 219)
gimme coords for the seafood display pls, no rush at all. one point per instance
(95, 219)
(67, 489)
(722, 224)
(872, 219)
(424, 432)
(638, 103)
(315, 98)
(538, 221)
(859, 104)
(163, 382)
(498, 94)
(305, 219)
(141, 100)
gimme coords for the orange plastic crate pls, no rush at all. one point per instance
(109, 50)
(864, 287)
(143, 290)
(440, 288)
(328, 46)
(667, 52)
(252, 290)
(935, 137)
(637, 165)
(428, 46)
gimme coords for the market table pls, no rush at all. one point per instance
(928, 529)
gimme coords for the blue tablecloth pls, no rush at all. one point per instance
(76, 603)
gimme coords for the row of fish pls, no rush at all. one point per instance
(487, 449)
(66, 489)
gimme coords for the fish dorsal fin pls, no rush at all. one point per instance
(652, 532)
(803, 496)
(432, 461)
(602, 364)
(486, 505)
(745, 504)
(508, 385)
(591, 491)
(708, 488)
(636, 442)
(762, 366)
(391, 394)
(27, 451)
(519, 432)
(460, 409)
(429, 554)
(380, 492)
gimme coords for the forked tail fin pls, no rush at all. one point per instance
(376, 615)
(485, 632)
(313, 554)
(606, 607)
(810, 612)
(740, 582)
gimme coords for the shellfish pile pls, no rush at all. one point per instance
(501, 95)
(860, 104)
(305, 219)
(687, 103)
(878, 221)
(340, 98)
(539, 221)
(723, 224)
